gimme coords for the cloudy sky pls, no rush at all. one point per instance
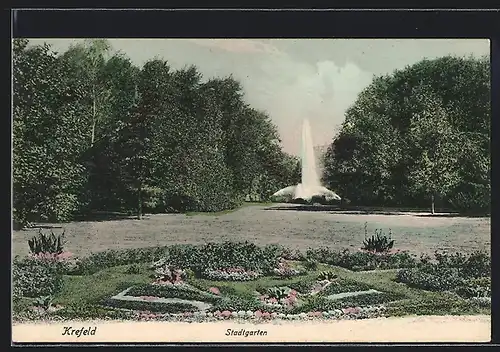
(293, 79)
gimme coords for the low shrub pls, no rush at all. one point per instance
(36, 277)
(442, 306)
(245, 255)
(475, 288)
(87, 311)
(237, 303)
(311, 264)
(362, 261)
(475, 265)
(133, 269)
(155, 307)
(444, 280)
(181, 292)
(106, 259)
(303, 286)
(449, 272)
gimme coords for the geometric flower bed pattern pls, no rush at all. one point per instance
(244, 281)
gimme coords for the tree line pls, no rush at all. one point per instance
(94, 132)
(417, 138)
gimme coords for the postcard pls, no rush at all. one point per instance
(251, 190)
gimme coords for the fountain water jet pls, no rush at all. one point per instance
(310, 185)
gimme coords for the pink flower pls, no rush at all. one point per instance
(188, 314)
(293, 293)
(350, 310)
(214, 290)
(258, 314)
(266, 315)
(273, 300)
(226, 314)
(217, 313)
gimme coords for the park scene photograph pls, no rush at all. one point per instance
(244, 184)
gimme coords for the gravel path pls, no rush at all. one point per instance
(285, 225)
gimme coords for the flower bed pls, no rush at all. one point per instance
(264, 315)
(181, 291)
(280, 297)
(231, 274)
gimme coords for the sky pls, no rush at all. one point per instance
(294, 79)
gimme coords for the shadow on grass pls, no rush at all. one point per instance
(371, 211)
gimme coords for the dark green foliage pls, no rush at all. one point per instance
(134, 269)
(443, 306)
(155, 307)
(475, 288)
(172, 292)
(378, 243)
(245, 255)
(303, 286)
(443, 280)
(236, 303)
(106, 259)
(198, 258)
(311, 264)
(344, 285)
(360, 261)
(43, 243)
(449, 272)
(93, 132)
(33, 277)
(419, 137)
(87, 311)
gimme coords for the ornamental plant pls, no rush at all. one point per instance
(42, 243)
(378, 243)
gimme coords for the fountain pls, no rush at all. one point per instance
(310, 185)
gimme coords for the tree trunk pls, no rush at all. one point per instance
(139, 200)
(94, 110)
(432, 203)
